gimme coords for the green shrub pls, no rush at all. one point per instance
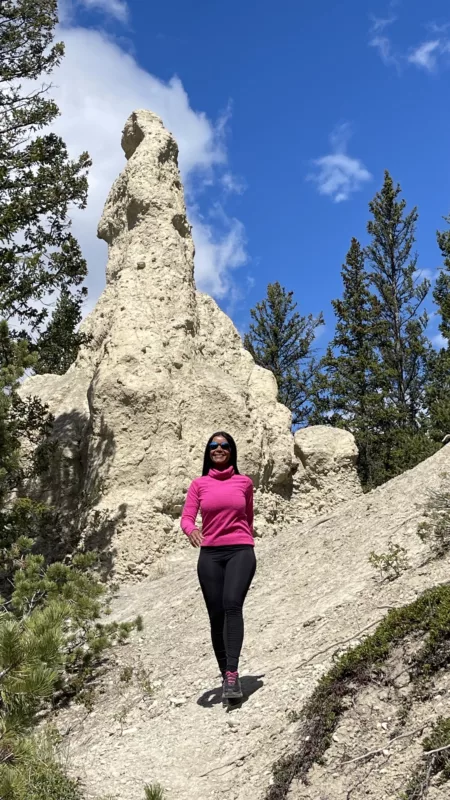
(434, 764)
(390, 564)
(154, 792)
(435, 530)
(428, 616)
(36, 775)
(51, 643)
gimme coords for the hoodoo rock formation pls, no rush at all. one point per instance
(163, 369)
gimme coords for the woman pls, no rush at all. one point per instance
(227, 563)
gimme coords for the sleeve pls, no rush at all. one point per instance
(249, 503)
(190, 510)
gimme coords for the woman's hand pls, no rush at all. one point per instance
(196, 538)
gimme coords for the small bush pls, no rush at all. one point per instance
(390, 564)
(435, 530)
(154, 791)
(36, 775)
(121, 715)
(126, 674)
(433, 763)
(144, 681)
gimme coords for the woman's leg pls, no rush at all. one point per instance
(211, 574)
(239, 572)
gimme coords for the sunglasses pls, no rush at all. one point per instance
(215, 445)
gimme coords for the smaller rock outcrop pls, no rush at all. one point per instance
(326, 474)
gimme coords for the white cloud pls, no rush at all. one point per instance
(426, 55)
(425, 274)
(219, 249)
(118, 9)
(433, 27)
(338, 175)
(115, 8)
(384, 46)
(380, 23)
(439, 341)
(97, 87)
(381, 42)
(233, 183)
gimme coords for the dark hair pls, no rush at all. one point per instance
(207, 463)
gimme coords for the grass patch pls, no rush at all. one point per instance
(154, 792)
(36, 774)
(428, 616)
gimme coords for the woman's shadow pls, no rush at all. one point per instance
(250, 684)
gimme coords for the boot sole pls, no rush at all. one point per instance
(232, 696)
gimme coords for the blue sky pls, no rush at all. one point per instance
(286, 114)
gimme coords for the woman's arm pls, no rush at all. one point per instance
(249, 504)
(190, 510)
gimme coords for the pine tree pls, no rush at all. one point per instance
(51, 641)
(373, 378)
(401, 341)
(39, 257)
(58, 345)
(348, 396)
(438, 393)
(280, 339)
(38, 182)
(50, 636)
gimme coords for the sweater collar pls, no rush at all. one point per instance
(221, 474)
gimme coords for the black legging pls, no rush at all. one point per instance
(225, 575)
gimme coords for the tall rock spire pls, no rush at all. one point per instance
(163, 370)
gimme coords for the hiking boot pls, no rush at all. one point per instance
(232, 689)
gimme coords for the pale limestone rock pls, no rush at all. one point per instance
(326, 475)
(165, 368)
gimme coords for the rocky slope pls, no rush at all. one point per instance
(314, 594)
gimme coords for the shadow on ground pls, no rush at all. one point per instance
(250, 684)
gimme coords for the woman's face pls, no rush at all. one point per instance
(220, 456)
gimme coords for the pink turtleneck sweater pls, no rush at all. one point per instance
(226, 504)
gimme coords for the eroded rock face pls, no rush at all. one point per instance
(326, 474)
(164, 369)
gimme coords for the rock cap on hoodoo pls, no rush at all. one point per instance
(142, 123)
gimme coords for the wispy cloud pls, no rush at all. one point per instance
(337, 174)
(384, 46)
(426, 55)
(233, 184)
(118, 9)
(220, 245)
(381, 41)
(431, 54)
(425, 274)
(438, 30)
(380, 23)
